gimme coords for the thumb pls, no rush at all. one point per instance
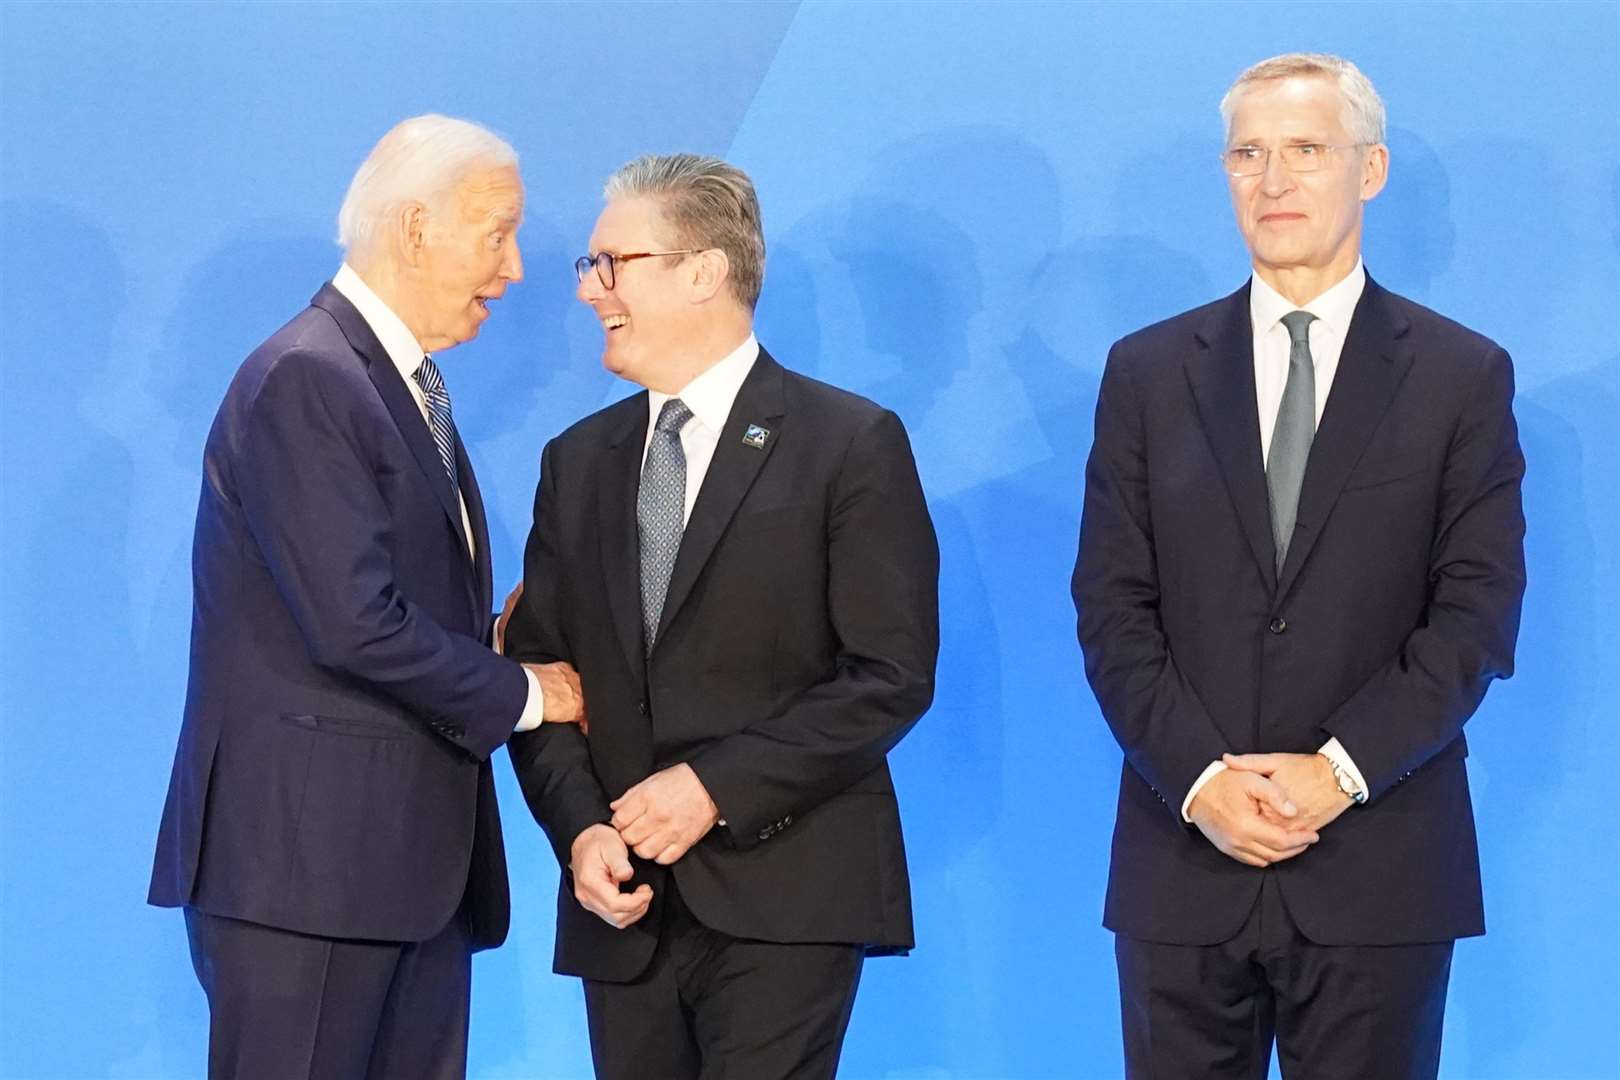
(618, 864)
(1263, 790)
(1265, 764)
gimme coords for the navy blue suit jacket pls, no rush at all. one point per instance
(332, 775)
(1396, 607)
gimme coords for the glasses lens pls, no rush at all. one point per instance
(581, 266)
(604, 269)
(1245, 160)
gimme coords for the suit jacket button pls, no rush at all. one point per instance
(765, 834)
(1277, 626)
(641, 707)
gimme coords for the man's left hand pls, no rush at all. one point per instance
(664, 815)
(1306, 778)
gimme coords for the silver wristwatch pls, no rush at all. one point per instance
(1346, 782)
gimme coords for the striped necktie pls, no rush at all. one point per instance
(442, 427)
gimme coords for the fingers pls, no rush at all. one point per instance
(1254, 763)
(617, 909)
(671, 854)
(1270, 794)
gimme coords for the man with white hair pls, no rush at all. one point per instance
(1301, 565)
(331, 828)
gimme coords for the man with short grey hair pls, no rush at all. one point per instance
(1301, 565)
(740, 563)
(331, 828)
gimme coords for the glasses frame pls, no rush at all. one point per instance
(1282, 151)
(610, 276)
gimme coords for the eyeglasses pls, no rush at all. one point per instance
(1296, 157)
(606, 263)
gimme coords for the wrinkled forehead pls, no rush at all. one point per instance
(491, 194)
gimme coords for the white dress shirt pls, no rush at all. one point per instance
(407, 354)
(1272, 346)
(710, 397)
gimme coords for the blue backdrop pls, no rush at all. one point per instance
(964, 204)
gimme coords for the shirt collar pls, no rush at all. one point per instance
(711, 394)
(399, 342)
(1334, 307)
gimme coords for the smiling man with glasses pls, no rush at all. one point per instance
(1301, 565)
(740, 563)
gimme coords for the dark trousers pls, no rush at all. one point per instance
(714, 1007)
(1336, 1012)
(288, 1006)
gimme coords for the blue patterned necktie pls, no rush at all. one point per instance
(661, 512)
(440, 424)
(1291, 436)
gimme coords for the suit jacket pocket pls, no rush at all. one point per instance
(1387, 469)
(332, 725)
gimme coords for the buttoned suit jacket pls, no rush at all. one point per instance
(1396, 606)
(332, 774)
(796, 646)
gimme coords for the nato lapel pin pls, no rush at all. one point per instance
(755, 436)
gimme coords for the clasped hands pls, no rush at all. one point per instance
(659, 819)
(1264, 808)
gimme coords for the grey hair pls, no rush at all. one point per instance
(708, 204)
(420, 160)
(1363, 108)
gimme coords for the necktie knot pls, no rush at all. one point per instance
(1299, 326)
(673, 416)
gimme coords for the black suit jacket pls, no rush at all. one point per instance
(1397, 605)
(797, 645)
(332, 775)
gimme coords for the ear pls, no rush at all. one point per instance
(410, 232)
(1374, 171)
(710, 270)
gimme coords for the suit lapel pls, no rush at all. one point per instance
(736, 463)
(621, 558)
(1371, 368)
(483, 572)
(396, 396)
(1221, 374)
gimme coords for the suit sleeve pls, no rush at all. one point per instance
(1417, 703)
(1154, 712)
(310, 498)
(883, 600)
(553, 761)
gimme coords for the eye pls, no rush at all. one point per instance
(1246, 153)
(1309, 149)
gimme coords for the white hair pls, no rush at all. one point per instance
(420, 160)
(1363, 108)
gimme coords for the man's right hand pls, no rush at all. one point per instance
(1227, 810)
(564, 699)
(600, 863)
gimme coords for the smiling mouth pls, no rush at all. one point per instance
(614, 322)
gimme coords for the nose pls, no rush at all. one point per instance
(1276, 180)
(512, 263)
(589, 289)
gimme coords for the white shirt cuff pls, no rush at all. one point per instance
(1340, 757)
(1215, 767)
(534, 709)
